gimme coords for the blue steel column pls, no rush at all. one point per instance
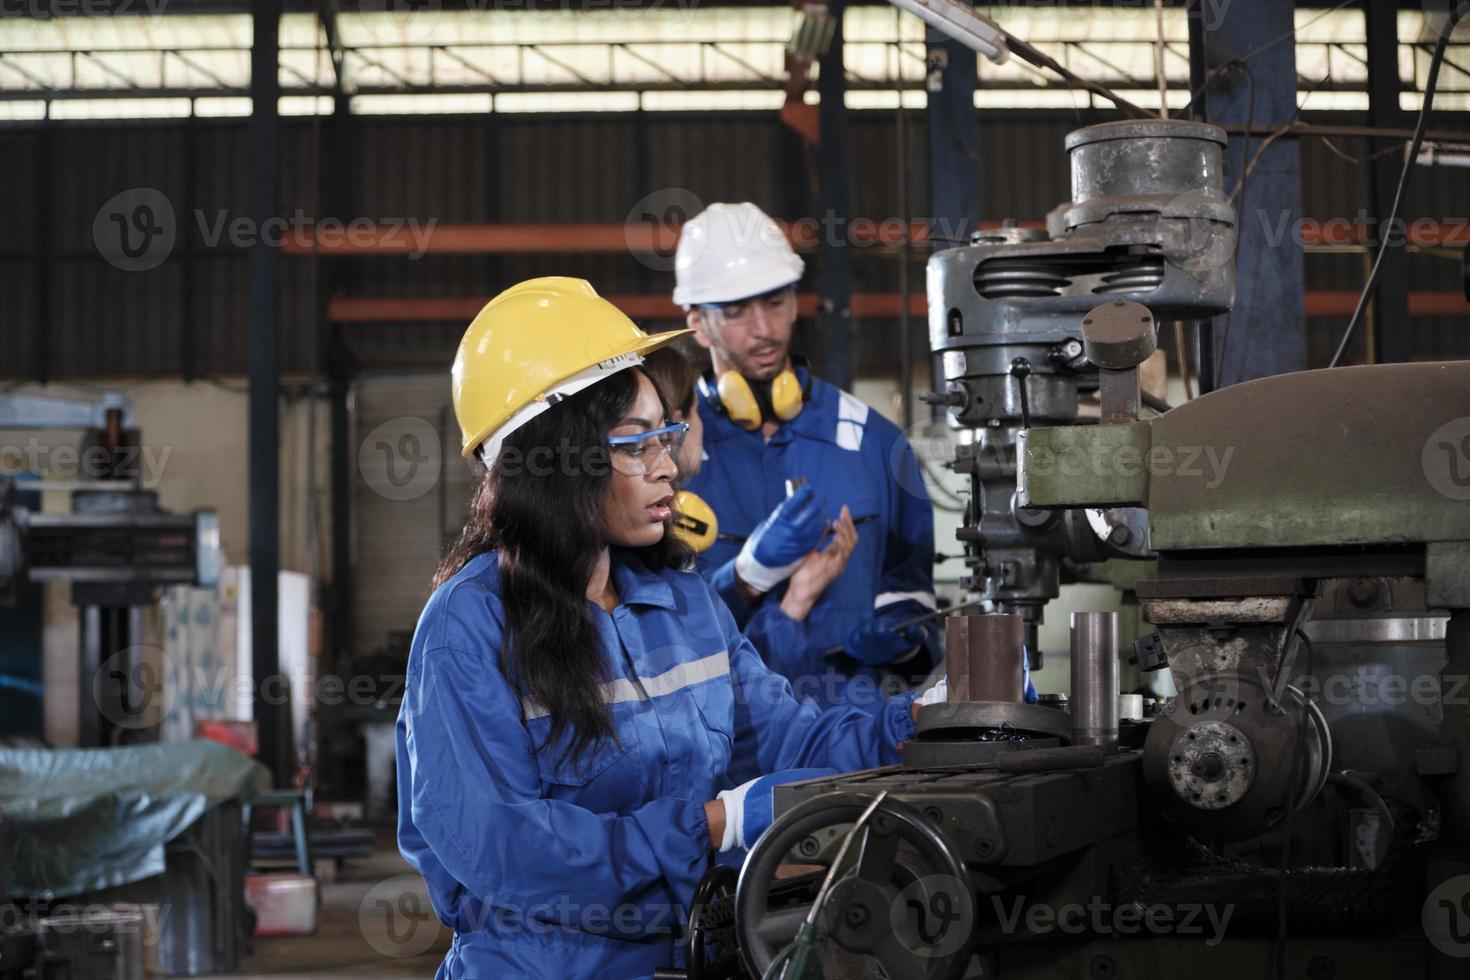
(1266, 332)
(1391, 294)
(264, 150)
(954, 166)
(1204, 348)
(834, 274)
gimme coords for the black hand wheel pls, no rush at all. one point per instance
(718, 883)
(903, 897)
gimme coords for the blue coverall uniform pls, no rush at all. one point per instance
(544, 869)
(850, 455)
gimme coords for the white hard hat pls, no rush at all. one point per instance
(730, 252)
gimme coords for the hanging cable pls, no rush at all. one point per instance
(1291, 803)
(1385, 228)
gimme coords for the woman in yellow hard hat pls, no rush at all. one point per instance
(774, 627)
(574, 691)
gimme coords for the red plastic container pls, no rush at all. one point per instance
(284, 904)
(238, 735)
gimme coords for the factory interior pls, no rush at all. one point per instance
(1003, 510)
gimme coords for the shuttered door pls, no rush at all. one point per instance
(411, 491)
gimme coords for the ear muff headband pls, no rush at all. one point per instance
(750, 408)
(694, 521)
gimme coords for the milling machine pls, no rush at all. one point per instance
(1302, 807)
(116, 548)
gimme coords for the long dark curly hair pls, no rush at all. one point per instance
(546, 523)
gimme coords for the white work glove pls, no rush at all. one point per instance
(748, 807)
(937, 694)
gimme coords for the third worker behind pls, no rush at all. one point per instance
(771, 429)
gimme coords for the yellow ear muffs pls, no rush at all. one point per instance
(739, 401)
(694, 521)
(787, 396)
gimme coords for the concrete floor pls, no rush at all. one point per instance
(374, 921)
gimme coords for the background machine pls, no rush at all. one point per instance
(1301, 808)
(117, 547)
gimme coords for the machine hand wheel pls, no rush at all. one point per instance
(717, 887)
(903, 898)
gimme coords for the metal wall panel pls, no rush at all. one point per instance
(397, 543)
(596, 168)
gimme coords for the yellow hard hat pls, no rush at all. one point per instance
(539, 341)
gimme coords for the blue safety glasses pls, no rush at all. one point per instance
(639, 453)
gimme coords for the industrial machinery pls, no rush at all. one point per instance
(1301, 808)
(1147, 221)
(117, 547)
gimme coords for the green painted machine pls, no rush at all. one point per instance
(1302, 545)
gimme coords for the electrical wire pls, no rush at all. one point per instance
(1338, 151)
(1041, 59)
(1223, 343)
(1291, 803)
(1430, 82)
(1275, 135)
(1253, 52)
(1239, 192)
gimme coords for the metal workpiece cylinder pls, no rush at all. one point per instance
(1095, 679)
(983, 654)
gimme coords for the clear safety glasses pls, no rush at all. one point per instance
(640, 453)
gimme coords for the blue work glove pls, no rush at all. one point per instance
(1028, 689)
(781, 541)
(884, 638)
(748, 806)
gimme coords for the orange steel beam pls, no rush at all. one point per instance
(806, 233)
(1420, 231)
(473, 239)
(1342, 303)
(361, 309)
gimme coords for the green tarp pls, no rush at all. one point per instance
(78, 820)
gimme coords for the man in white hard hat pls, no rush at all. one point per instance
(771, 426)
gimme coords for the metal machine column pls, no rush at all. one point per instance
(1267, 328)
(264, 383)
(834, 275)
(1199, 108)
(1391, 294)
(954, 163)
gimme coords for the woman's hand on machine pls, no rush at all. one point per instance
(737, 817)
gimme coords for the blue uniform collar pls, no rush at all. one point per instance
(637, 585)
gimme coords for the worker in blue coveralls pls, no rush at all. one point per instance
(574, 688)
(777, 438)
(817, 550)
